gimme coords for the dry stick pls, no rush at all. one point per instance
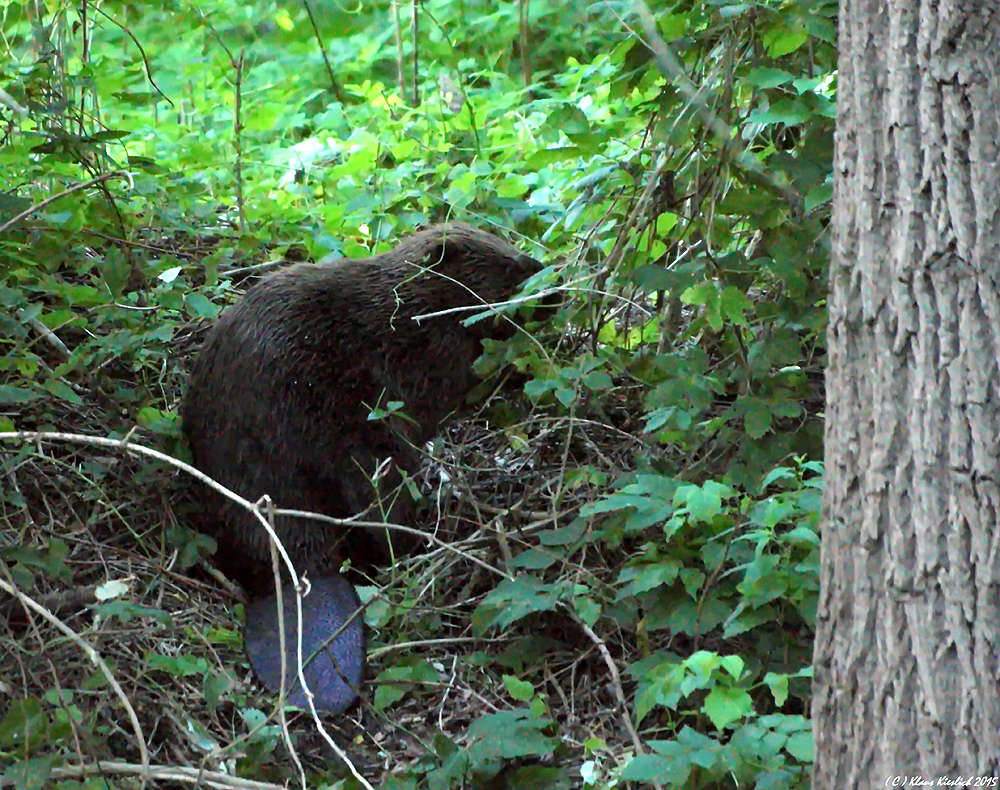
(523, 6)
(11, 102)
(564, 461)
(169, 773)
(64, 706)
(46, 334)
(57, 601)
(254, 268)
(96, 659)
(400, 58)
(637, 211)
(237, 65)
(141, 245)
(238, 141)
(616, 681)
(75, 188)
(283, 647)
(138, 45)
(254, 508)
(350, 522)
(416, 53)
(322, 48)
(475, 308)
(84, 59)
(426, 270)
(448, 686)
(451, 640)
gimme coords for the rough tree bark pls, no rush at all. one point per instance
(907, 656)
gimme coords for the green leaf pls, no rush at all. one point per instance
(536, 388)
(588, 609)
(513, 599)
(197, 305)
(703, 503)
(512, 187)
(734, 305)
(181, 666)
(566, 396)
(801, 747)
(778, 683)
(126, 611)
(520, 690)
(115, 272)
(536, 559)
(781, 42)
(734, 665)
(33, 774)
(727, 705)
(596, 380)
(671, 770)
(819, 196)
(648, 577)
(215, 686)
(768, 77)
(548, 156)
(51, 560)
(762, 582)
(569, 120)
(672, 26)
(791, 112)
(509, 735)
(540, 777)
(164, 423)
(10, 394)
(756, 416)
(391, 686)
(24, 725)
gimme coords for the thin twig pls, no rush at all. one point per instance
(75, 188)
(322, 48)
(238, 141)
(616, 681)
(164, 773)
(416, 54)
(400, 58)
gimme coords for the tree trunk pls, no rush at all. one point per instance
(907, 659)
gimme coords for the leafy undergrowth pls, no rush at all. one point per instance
(585, 620)
(543, 645)
(628, 589)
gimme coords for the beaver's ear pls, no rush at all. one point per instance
(449, 242)
(438, 252)
(527, 265)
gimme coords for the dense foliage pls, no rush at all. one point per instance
(680, 189)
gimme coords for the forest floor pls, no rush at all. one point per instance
(80, 517)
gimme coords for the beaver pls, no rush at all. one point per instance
(283, 390)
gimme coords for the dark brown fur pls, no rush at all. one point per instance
(282, 389)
